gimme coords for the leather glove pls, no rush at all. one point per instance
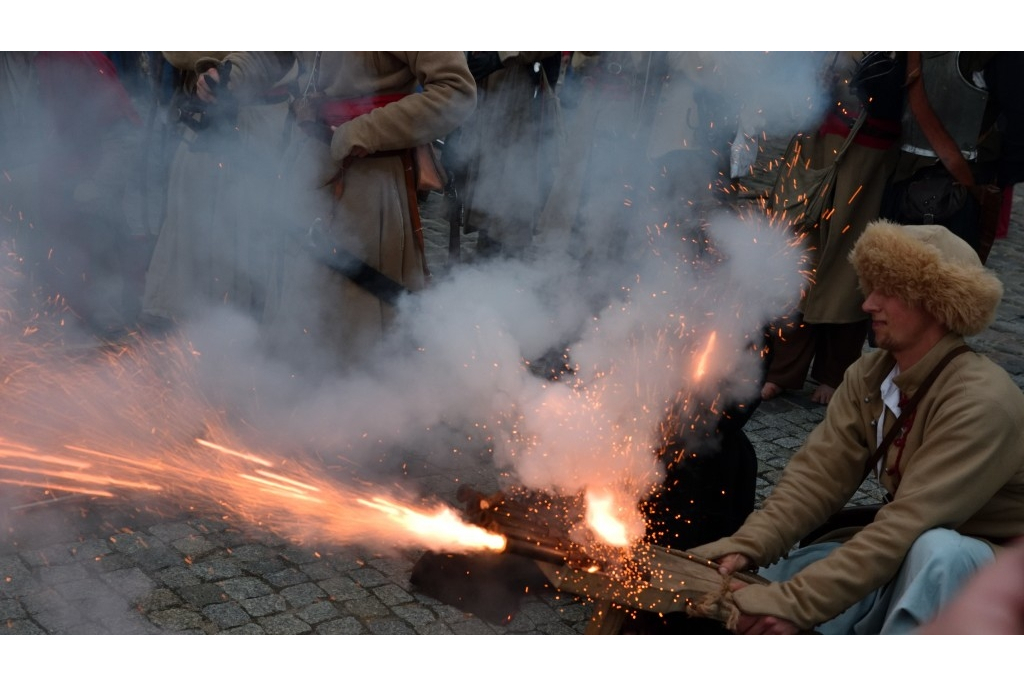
(483, 64)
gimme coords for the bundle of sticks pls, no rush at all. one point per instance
(644, 577)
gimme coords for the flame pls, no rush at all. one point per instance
(702, 360)
(58, 438)
(603, 518)
(442, 524)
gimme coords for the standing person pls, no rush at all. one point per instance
(950, 456)
(828, 331)
(214, 246)
(92, 130)
(347, 183)
(509, 143)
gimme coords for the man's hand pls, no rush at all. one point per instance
(747, 623)
(207, 83)
(765, 625)
(734, 563)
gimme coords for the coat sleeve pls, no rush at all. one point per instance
(818, 481)
(447, 98)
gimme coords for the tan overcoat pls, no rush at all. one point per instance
(315, 308)
(962, 468)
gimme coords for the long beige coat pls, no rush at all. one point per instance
(962, 468)
(213, 246)
(315, 309)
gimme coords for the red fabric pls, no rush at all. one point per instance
(337, 112)
(878, 134)
(73, 84)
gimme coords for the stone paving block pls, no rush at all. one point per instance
(46, 599)
(227, 614)
(285, 624)
(558, 628)
(368, 577)
(216, 569)
(341, 589)
(298, 555)
(84, 589)
(60, 621)
(131, 583)
(252, 552)
(389, 626)
(391, 595)
(200, 595)
(415, 615)
(52, 555)
(115, 561)
(156, 557)
(171, 531)
(346, 560)
(319, 570)
(11, 609)
(208, 525)
(21, 627)
(263, 567)
(177, 619)
(435, 628)
(301, 595)
(348, 625)
(392, 568)
(90, 549)
(264, 606)
(286, 577)
(157, 600)
(365, 607)
(471, 626)
(789, 442)
(178, 577)
(247, 629)
(245, 587)
(65, 573)
(193, 546)
(317, 612)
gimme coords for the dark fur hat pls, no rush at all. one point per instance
(930, 266)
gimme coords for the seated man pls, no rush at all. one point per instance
(953, 469)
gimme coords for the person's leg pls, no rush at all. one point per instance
(792, 352)
(838, 346)
(938, 564)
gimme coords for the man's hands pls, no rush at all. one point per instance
(749, 624)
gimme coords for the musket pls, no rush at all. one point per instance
(343, 261)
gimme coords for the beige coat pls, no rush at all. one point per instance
(213, 247)
(314, 308)
(962, 468)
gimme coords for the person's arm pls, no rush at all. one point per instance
(447, 98)
(970, 450)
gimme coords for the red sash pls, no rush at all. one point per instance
(336, 112)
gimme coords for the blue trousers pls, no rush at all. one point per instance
(937, 565)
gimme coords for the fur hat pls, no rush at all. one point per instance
(930, 266)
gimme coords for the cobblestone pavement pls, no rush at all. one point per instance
(97, 569)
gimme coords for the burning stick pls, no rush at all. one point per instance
(645, 577)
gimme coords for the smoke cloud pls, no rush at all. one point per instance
(463, 373)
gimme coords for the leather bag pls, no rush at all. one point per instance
(805, 187)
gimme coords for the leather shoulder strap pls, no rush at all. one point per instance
(911, 405)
